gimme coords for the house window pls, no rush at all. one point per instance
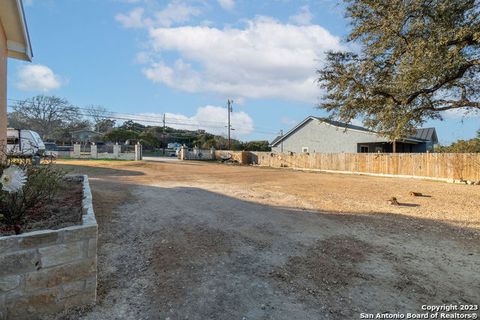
(304, 149)
(11, 140)
(363, 149)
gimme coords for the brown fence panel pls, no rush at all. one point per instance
(433, 165)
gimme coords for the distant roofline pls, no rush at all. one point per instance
(343, 125)
(324, 120)
(84, 130)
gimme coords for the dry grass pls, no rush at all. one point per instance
(188, 240)
(350, 194)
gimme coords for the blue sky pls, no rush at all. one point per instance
(185, 58)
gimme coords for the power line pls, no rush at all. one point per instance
(153, 121)
(149, 118)
(157, 120)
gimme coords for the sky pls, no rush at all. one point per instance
(185, 58)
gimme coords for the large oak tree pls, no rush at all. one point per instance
(413, 60)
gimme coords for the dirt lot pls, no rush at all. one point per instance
(192, 240)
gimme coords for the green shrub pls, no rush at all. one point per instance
(41, 185)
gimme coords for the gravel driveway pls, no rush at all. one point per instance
(174, 250)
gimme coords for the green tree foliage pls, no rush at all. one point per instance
(152, 137)
(257, 146)
(130, 130)
(104, 125)
(221, 143)
(416, 59)
(462, 146)
(133, 126)
(64, 135)
(120, 135)
(205, 141)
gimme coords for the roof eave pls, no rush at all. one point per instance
(28, 46)
(20, 48)
(275, 143)
(18, 51)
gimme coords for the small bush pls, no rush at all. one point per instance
(41, 185)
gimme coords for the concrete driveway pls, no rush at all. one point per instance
(161, 159)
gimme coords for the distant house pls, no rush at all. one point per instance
(85, 136)
(14, 43)
(326, 136)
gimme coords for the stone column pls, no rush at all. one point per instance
(212, 153)
(116, 150)
(93, 151)
(138, 151)
(183, 152)
(76, 150)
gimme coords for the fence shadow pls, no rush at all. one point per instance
(98, 171)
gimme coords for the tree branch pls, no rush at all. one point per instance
(460, 72)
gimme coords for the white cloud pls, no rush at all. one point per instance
(461, 113)
(174, 13)
(212, 119)
(134, 19)
(303, 17)
(36, 77)
(266, 59)
(227, 4)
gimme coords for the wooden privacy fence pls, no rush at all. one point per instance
(456, 166)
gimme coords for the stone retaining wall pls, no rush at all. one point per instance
(242, 157)
(46, 272)
(196, 154)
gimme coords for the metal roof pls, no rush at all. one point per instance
(274, 141)
(343, 125)
(428, 134)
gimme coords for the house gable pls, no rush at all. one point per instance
(316, 135)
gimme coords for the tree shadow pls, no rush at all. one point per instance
(189, 241)
(96, 171)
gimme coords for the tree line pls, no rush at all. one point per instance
(54, 119)
(462, 146)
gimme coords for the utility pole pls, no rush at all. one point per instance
(281, 144)
(163, 134)
(229, 110)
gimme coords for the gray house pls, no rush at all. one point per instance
(327, 136)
